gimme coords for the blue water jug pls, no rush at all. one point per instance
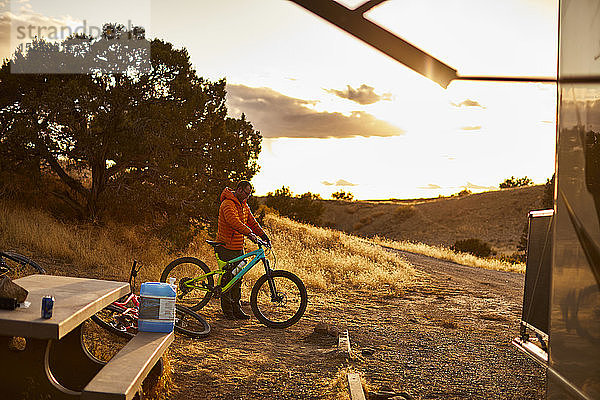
(157, 307)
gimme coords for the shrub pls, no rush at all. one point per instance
(514, 258)
(341, 195)
(473, 246)
(304, 208)
(513, 182)
(403, 213)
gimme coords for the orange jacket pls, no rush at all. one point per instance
(235, 221)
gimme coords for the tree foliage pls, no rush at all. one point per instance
(513, 182)
(155, 145)
(342, 195)
(304, 208)
(548, 196)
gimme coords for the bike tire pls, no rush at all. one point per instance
(270, 312)
(105, 319)
(189, 267)
(190, 323)
(25, 266)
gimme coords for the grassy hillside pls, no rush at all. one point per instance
(496, 217)
(324, 259)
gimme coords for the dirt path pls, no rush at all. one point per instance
(447, 338)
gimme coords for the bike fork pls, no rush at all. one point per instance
(268, 270)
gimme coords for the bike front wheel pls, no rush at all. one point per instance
(192, 295)
(190, 323)
(278, 300)
(113, 320)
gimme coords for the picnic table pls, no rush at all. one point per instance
(54, 363)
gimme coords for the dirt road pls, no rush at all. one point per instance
(446, 338)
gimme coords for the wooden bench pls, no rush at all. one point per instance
(122, 376)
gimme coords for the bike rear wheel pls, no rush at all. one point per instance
(112, 319)
(190, 323)
(287, 305)
(184, 269)
(19, 265)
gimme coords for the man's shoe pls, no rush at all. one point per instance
(239, 314)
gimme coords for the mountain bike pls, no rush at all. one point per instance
(121, 317)
(278, 298)
(15, 265)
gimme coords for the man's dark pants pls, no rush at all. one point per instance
(230, 300)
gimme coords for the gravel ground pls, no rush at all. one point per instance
(446, 338)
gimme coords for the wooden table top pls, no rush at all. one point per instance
(76, 299)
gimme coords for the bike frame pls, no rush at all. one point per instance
(258, 254)
(133, 310)
(129, 305)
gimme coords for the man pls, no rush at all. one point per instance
(235, 222)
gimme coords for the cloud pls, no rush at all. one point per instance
(363, 95)
(470, 185)
(343, 182)
(340, 182)
(430, 186)
(27, 19)
(471, 128)
(277, 115)
(468, 103)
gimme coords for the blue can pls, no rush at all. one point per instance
(47, 306)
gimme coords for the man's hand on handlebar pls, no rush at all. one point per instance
(258, 240)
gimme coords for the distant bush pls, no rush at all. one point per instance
(404, 212)
(513, 182)
(303, 208)
(473, 246)
(514, 258)
(464, 192)
(341, 195)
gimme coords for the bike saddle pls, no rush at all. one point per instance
(215, 244)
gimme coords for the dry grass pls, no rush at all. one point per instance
(338, 389)
(444, 253)
(80, 249)
(327, 259)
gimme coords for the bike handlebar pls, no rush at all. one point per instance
(261, 242)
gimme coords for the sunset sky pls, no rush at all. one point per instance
(337, 114)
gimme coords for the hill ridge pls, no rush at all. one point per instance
(497, 217)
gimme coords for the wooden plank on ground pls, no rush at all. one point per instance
(344, 342)
(355, 387)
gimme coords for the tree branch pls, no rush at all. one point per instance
(55, 166)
